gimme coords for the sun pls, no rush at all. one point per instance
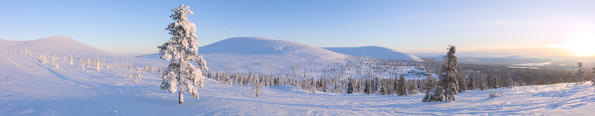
(582, 44)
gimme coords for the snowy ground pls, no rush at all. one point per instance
(29, 88)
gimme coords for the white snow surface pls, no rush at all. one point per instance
(374, 52)
(31, 88)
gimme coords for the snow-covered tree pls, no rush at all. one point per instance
(580, 73)
(256, 87)
(429, 84)
(448, 85)
(53, 58)
(43, 59)
(182, 51)
(83, 66)
(402, 86)
(97, 65)
(88, 63)
(71, 61)
(137, 75)
(593, 78)
(349, 85)
(461, 79)
(412, 87)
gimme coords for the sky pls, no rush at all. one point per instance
(134, 27)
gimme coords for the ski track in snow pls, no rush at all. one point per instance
(12, 61)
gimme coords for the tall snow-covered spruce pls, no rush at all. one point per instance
(448, 85)
(182, 52)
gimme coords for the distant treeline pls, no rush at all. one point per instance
(470, 77)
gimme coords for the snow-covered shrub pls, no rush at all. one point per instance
(495, 94)
(137, 75)
(431, 97)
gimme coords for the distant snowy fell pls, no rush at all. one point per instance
(374, 52)
(255, 54)
(59, 45)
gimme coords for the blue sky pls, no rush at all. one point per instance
(417, 26)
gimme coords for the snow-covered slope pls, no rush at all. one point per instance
(252, 54)
(374, 52)
(37, 89)
(28, 87)
(263, 46)
(53, 45)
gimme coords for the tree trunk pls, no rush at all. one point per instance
(181, 97)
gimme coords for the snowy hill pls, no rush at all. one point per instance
(263, 46)
(53, 45)
(374, 52)
(252, 54)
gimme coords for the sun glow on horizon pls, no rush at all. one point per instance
(581, 44)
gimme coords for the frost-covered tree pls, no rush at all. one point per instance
(256, 88)
(430, 82)
(53, 57)
(412, 87)
(580, 73)
(181, 51)
(71, 61)
(138, 75)
(88, 63)
(97, 66)
(350, 86)
(402, 86)
(472, 83)
(448, 85)
(43, 59)
(462, 82)
(593, 78)
(83, 66)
